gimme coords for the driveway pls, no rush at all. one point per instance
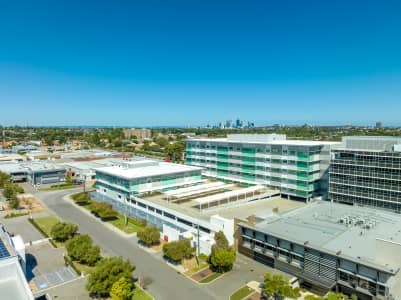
(167, 283)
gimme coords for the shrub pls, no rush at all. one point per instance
(178, 250)
(81, 248)
(103, 210)
(149, 235)
(82, 198)
(106, 272)
(203, 256)
(14, 202)
(122, 289)
(63, 231)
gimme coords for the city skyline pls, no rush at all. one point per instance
(192, 64)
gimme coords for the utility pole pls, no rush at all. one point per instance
(197, 246)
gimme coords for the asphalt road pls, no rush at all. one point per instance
(167, 283)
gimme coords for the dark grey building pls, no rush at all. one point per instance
(367, 171)
(330, 246)
(36, 173)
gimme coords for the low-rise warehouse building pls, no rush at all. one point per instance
(36, 173)
(330, 246)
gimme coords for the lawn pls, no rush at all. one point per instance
(46, 223)
(120, 224)
(15, 215)
(140, 294)
(83, 268)
(241, 293)
(210, 278)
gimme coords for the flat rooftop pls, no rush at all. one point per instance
(240, 210)
(26, 166)
(99, 163)
(145, 168)
(337, 228)
(267, 142)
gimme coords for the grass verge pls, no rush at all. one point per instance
(140, 294)
(132, 225)
(203, 265)
(59, 187)
(241, 293)
(44, 225)
(15, 215)
(211, 277)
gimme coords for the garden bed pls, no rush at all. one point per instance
(242, 293)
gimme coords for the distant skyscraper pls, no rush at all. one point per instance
(238, 123)
(379, 125)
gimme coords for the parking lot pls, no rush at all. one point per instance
(46, 268)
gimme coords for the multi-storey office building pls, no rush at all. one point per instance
(367, 171)
(134, 178)
(331, 246)
(296, 168)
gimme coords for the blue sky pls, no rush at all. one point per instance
(150, 63)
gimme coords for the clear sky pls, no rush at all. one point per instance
(193, 62)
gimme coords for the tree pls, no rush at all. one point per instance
(122, 289)
(221, 240)
(14, 202)
(222, 259)
(178, 250)
(175, 151)
(106, 272)
(223, 256)
(63, 231)
(103, 210)
(81, 248)
(9, 191)
(149, 235)
(277, 287)
(161, 141)
(4, 179)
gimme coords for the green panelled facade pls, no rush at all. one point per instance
(295, 169)
(136, 185)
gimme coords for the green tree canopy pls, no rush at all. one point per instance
(149, 235)
(81, 248)
(122, 289)
(277, 287)
(106, 272)
(4, 179)
(103, 210)
(223, 256)
(82, 198)
(175, 151)
(222, 259)
(177, 250)
(63, 231)
(161, 141)
(221, 240)
(14, 202)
